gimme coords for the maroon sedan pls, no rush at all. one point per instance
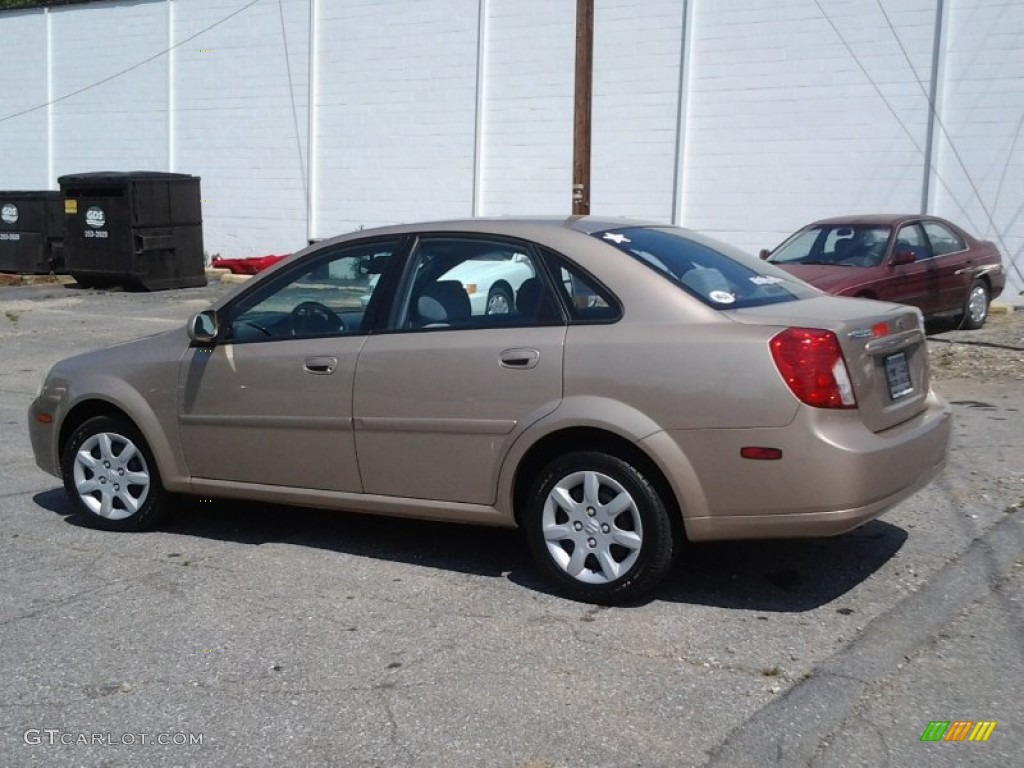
(912, 259)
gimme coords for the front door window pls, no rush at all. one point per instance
(332, 297)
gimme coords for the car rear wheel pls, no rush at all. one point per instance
(598, 528)
(976, 307)
(499, 300)
(110, 476)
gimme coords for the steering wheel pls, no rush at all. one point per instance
(310, 318)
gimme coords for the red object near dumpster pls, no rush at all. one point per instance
(248, 266)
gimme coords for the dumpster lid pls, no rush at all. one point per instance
(34, 194)
(121, 177)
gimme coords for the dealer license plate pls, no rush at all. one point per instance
(897, 373)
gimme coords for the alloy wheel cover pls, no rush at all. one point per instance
(592, 527)
(111, 476)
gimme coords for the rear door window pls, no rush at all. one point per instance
(465, 281)
(717, 274)
(943, 240)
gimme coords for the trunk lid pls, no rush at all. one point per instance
(883, 345)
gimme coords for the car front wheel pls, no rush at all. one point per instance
(598, 528)
(976, 306)
(110, 476)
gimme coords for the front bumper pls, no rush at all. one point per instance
(43, 436)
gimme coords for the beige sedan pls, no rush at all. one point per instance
(648, 385)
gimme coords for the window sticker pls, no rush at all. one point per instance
(618, 239)
(722, 297)
(765, 280)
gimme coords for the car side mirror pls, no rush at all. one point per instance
(764, 254)
(903, 257)
(202, 327)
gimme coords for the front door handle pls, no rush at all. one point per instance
(522, 357)
(323, 366)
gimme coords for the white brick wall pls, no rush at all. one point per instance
(235, 124)
(781, 125)
(120, 125)
(982, 106)
(530, 60)
(637, 46)
(23, 145)
(784, 127)
(397, 112)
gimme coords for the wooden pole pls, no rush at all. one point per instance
(581, 112)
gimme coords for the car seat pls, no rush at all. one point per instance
(443, 303)
(529, 296)
(841, 250)
(535, 303)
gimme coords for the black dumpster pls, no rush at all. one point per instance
(142, 228)
(31, 232)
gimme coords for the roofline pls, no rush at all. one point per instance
(587, 225)
(873, 218)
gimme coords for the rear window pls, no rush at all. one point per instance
(719, 275)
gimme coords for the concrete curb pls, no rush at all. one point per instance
(789, 730)
(233, 278)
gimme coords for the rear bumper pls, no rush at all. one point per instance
(997, 282)
(799, 524)
(835, 475)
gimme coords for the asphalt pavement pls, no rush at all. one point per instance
(253, 635)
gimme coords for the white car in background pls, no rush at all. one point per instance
(491, 280)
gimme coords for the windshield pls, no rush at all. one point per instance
(838, 245)
(719, 275)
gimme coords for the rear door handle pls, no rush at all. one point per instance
(522, 357)
(323, 366)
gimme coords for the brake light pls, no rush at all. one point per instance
(811, 362)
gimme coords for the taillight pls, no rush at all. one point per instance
(811, 362)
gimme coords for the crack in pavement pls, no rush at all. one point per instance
(822, 703)
(126, 584)
(381, 690)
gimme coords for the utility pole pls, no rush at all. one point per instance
(581, 112)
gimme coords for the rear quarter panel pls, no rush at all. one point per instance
(991, 262)
(681, 375)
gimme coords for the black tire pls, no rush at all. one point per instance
(975, 306)
(132, 506)
(502, 294)
(594, 530)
